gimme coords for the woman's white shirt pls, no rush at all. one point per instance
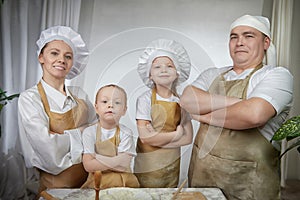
(52, 153)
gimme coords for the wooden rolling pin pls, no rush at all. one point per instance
(97, 182)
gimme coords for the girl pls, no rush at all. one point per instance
(162, 125)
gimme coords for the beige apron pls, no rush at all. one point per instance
(74, 176)
(242, 162)
(111, 178)
(157, 167)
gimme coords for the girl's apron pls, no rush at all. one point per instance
(157, 167)
(111, 178)
(242, 162)
(74, 176)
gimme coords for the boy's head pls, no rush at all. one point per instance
(111, 103)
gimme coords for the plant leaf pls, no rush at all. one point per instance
(2, 94)
(12, 96)
(1, 106)
(290, 129)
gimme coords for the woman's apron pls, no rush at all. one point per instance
(74, 176)
(242, 162)
(111, 178)
(157, 167)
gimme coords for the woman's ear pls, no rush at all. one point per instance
(41, 58)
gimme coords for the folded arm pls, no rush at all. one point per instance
(95, 162)
(187, 127)
(197, 101)
(250, 113)
(149, 136)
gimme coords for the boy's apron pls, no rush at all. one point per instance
(74, 176)
(157, 167)
(242, 163)
(111, 178)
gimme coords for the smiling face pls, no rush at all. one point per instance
(163, 72)
(247, 47)
(56, 59)
(110, 105)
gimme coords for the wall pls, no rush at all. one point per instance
(293, 157)
(120, 31)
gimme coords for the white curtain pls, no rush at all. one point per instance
(282, 18)
(21, 24)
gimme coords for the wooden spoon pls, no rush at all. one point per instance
(179, 189)
(47, 196)
(97, 182)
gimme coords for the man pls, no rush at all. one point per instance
(240, 108)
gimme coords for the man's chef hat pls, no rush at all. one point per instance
(73, 39)
(169, 48)
(262, 24)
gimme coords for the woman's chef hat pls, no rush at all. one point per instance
(163, 47)
(73, 39)
(262, 24)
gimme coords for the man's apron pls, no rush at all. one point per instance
(157, 167)
(74, 176)
(111, 178)
(242, 162)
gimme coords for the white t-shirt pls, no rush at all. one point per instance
(52, 153)
(143, 104)
(127, 142)
(273, 84)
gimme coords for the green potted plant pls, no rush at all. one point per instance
(4, 99)
(289, 130)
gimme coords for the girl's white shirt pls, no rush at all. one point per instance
(143, 104)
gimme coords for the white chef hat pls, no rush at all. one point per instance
(262, 24)
(73, 39)
(163, 47)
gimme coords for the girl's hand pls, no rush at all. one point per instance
(150, 128)
(179, 133)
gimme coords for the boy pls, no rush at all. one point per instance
(109, 146)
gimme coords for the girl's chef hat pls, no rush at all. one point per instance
(163, 47)
(261, 24)
(73, 39)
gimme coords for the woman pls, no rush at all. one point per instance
(52, 116)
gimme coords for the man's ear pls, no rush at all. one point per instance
(267, 43)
